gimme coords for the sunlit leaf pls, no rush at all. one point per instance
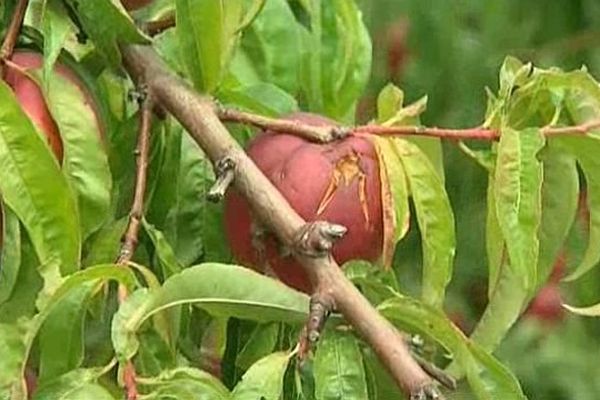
(394, 195)
(517, 188)
(435, 219)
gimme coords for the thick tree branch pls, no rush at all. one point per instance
(325, 135)
(12, 34)
(197, 114)
(130, 239)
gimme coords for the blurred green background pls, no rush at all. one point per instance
(451, 50)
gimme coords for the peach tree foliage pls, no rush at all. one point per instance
(63, 220)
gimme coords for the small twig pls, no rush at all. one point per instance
(442, 133)
(328, 134)
(12, 34)
(224, 172)
(572, 130)
(153, 28)
(130, 239)
(321, 134)
(436, 373)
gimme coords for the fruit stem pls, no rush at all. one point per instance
(12, 34)
(136, 214)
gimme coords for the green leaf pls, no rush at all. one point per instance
(261, 98)
(10, 256)
(517, 202)
(338, 368)
(74, 282)
(125, 323)
(103, 247)
(185, 384)
(198, 226)
(165, 192)
(116, 26)
(394, 194)
(389, 101)
(435, 219)
(85, 161)
(391, 112)
(77, 384)
(267, 43)
(164, 251)
(584, 149)
(591, 311)
(61, 335)
(488, 378)
(56, 27)
(13, 351)
(336, 58)
(229, 290)
(560, 195)
(264, 380)
(22, 302)
(31, 182)
(262, 341)
(221, 290)
(208, 32)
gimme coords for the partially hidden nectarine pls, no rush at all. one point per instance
(337, 182)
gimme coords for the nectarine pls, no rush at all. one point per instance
(337, 182)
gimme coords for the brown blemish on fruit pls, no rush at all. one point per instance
(345, 171)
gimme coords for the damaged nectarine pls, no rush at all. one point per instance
(337, 182)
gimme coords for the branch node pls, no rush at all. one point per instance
(225, 172)
(429, 391)
(340, 132)
(320, 308)
(315, 239)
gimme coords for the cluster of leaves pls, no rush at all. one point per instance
(63, 224)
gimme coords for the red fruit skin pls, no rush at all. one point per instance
(547, 305)
(32, 101)
(303, 171)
